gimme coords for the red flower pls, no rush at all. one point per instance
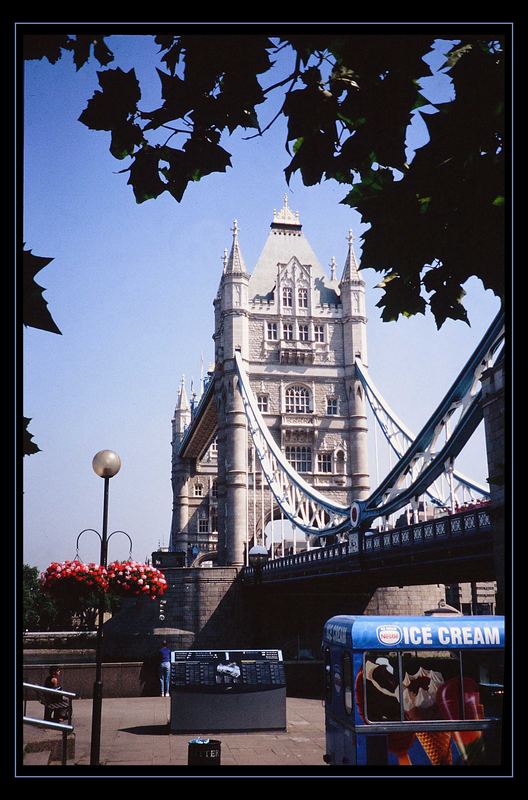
(129, 578)
(73, 579)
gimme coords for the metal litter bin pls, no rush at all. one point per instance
(204, 752)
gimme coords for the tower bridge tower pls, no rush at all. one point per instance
(299, 331)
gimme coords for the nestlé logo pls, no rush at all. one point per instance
(389, 634)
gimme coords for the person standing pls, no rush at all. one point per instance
(55, 710)
(164, 670)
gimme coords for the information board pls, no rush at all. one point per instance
(223, 671)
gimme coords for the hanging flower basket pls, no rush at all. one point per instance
(73, 580)
(132, 579)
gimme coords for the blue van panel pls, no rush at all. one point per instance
(425, 633)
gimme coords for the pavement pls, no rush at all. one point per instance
(135, 732)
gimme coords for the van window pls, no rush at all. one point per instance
(348, 695)
(327, 675)
(430, 687)
(380, 694)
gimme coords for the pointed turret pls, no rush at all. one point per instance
(182, 414)
(235, 263)
(183, 401)
(351, 270)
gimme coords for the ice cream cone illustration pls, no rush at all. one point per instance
(437, 747)
(448, 702)
(419, 702)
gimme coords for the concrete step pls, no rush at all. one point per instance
(37, 759)
(38, 741)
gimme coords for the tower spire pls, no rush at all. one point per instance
(235, 262)
(183, 401)
(351, 271)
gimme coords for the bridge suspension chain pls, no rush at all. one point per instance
(422, 463)
(419, 465)
(400, 438)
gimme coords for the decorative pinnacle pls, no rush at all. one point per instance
(286, 216)
(333, 269)
(351, 266)
(235, 262)
(224, 258)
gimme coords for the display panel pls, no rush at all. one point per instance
(227, 670)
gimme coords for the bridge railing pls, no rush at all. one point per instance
(432, 531)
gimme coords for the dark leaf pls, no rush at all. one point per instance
(164, 40)
(102, 52)
(310, 111)
(177, 173)
(80, 46)
(443, 308)
(111, 107)
(172, 57)
(401, 297)
(144, 175)
(124, 139)
(44, 46)
(313, 157)
(29, 446)
(35, 308)
(204, 157)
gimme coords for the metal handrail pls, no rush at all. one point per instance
(63, 728)
(47, 690)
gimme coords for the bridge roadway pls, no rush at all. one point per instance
(449, 549)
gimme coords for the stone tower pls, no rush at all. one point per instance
(299, 332)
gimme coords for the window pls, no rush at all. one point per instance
(287, 296)
(324, 462)
(203, 526)
(272, 331)
(297, 400)
(340, 462)
(331, 406)
(303, 333)
(262, 402)
(214, 489)
(319, 333)
(381, 678)
(300, 458)
(198, 490)
(303, 298)
(287, 331)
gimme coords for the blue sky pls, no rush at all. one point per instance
(131, 288)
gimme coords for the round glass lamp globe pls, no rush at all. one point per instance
(106, 463)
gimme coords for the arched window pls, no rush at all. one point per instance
(287, 296)
(340, 462)
(297, 400)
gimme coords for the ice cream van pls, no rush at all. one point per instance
(413, 690)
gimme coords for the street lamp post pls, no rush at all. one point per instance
(258, 557)
(106, 464)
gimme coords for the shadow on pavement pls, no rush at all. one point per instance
(148, 730)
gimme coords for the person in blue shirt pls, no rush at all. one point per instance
(164, 670)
